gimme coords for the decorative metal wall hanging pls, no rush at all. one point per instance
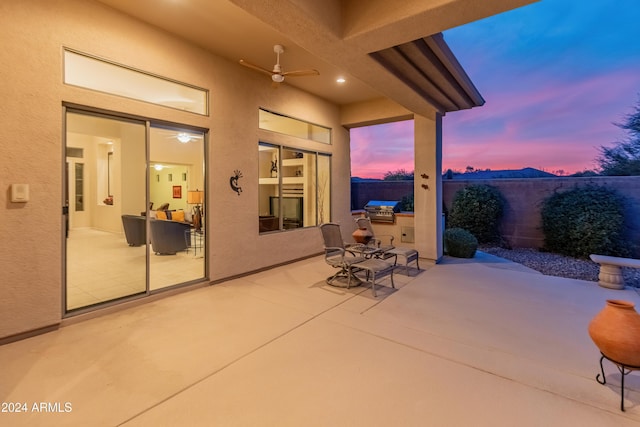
(425, 176)
(233, 181)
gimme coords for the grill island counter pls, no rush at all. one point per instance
(382, 210)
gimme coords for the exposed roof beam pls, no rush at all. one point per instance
(429, 68)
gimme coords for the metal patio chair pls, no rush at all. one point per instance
(335, 254)
(383, 242)
(388, 250)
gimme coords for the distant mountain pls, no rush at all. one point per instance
(481, 174)
(500, 174)
(358, 179)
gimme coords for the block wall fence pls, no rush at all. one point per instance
(522, 223)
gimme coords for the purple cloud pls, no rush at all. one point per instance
(553, 88)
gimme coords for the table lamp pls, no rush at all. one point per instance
(195, 198)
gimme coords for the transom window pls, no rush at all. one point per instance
(280, 123)
(97, 74)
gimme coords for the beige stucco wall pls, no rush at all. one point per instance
(373, 112)
(33, 34)
(427, 190)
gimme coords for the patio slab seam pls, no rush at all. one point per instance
(530, 380)
(632, 394)
(237, 359)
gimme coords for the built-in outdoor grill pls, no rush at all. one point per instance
(382, 210)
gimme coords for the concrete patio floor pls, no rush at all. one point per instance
(481, 342)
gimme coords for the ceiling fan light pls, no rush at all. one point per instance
(278, 78)
(183, 137)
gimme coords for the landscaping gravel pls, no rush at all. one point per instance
(560, 265)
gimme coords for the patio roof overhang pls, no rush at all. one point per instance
(387, 50)
(430, 69)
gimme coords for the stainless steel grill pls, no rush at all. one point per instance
(382, 210)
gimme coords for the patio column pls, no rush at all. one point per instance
(427, 186)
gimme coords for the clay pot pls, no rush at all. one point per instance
(362, 235)
(616, 332)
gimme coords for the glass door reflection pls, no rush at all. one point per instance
(135, 220)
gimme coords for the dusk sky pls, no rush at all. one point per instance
(555, 76)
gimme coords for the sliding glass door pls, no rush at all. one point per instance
(105, 179)
(129, 225)
(176, 200)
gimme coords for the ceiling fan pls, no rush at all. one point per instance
(277, 75)
(183, 137)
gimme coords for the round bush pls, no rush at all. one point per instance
(584, 221)
(460, 243)
(406, 204)
(478, 209)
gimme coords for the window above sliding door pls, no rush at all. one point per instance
(98, 74)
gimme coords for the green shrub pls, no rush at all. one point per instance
(406, 204)
(584, 221)
(478, 209)
(460, 243)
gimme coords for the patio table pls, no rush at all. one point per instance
(363, 250)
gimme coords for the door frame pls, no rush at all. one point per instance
(148, 122)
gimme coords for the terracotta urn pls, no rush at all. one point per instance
(362, 235)
(616, 332)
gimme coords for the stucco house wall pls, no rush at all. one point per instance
(33, 35)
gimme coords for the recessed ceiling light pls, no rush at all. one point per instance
(340, 80)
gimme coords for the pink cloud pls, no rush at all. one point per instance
(551, 126)
(548, 124)
(378, 149)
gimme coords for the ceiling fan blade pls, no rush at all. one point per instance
(255, 67)
(301, 73)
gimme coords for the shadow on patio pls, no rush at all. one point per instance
(466, 342)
